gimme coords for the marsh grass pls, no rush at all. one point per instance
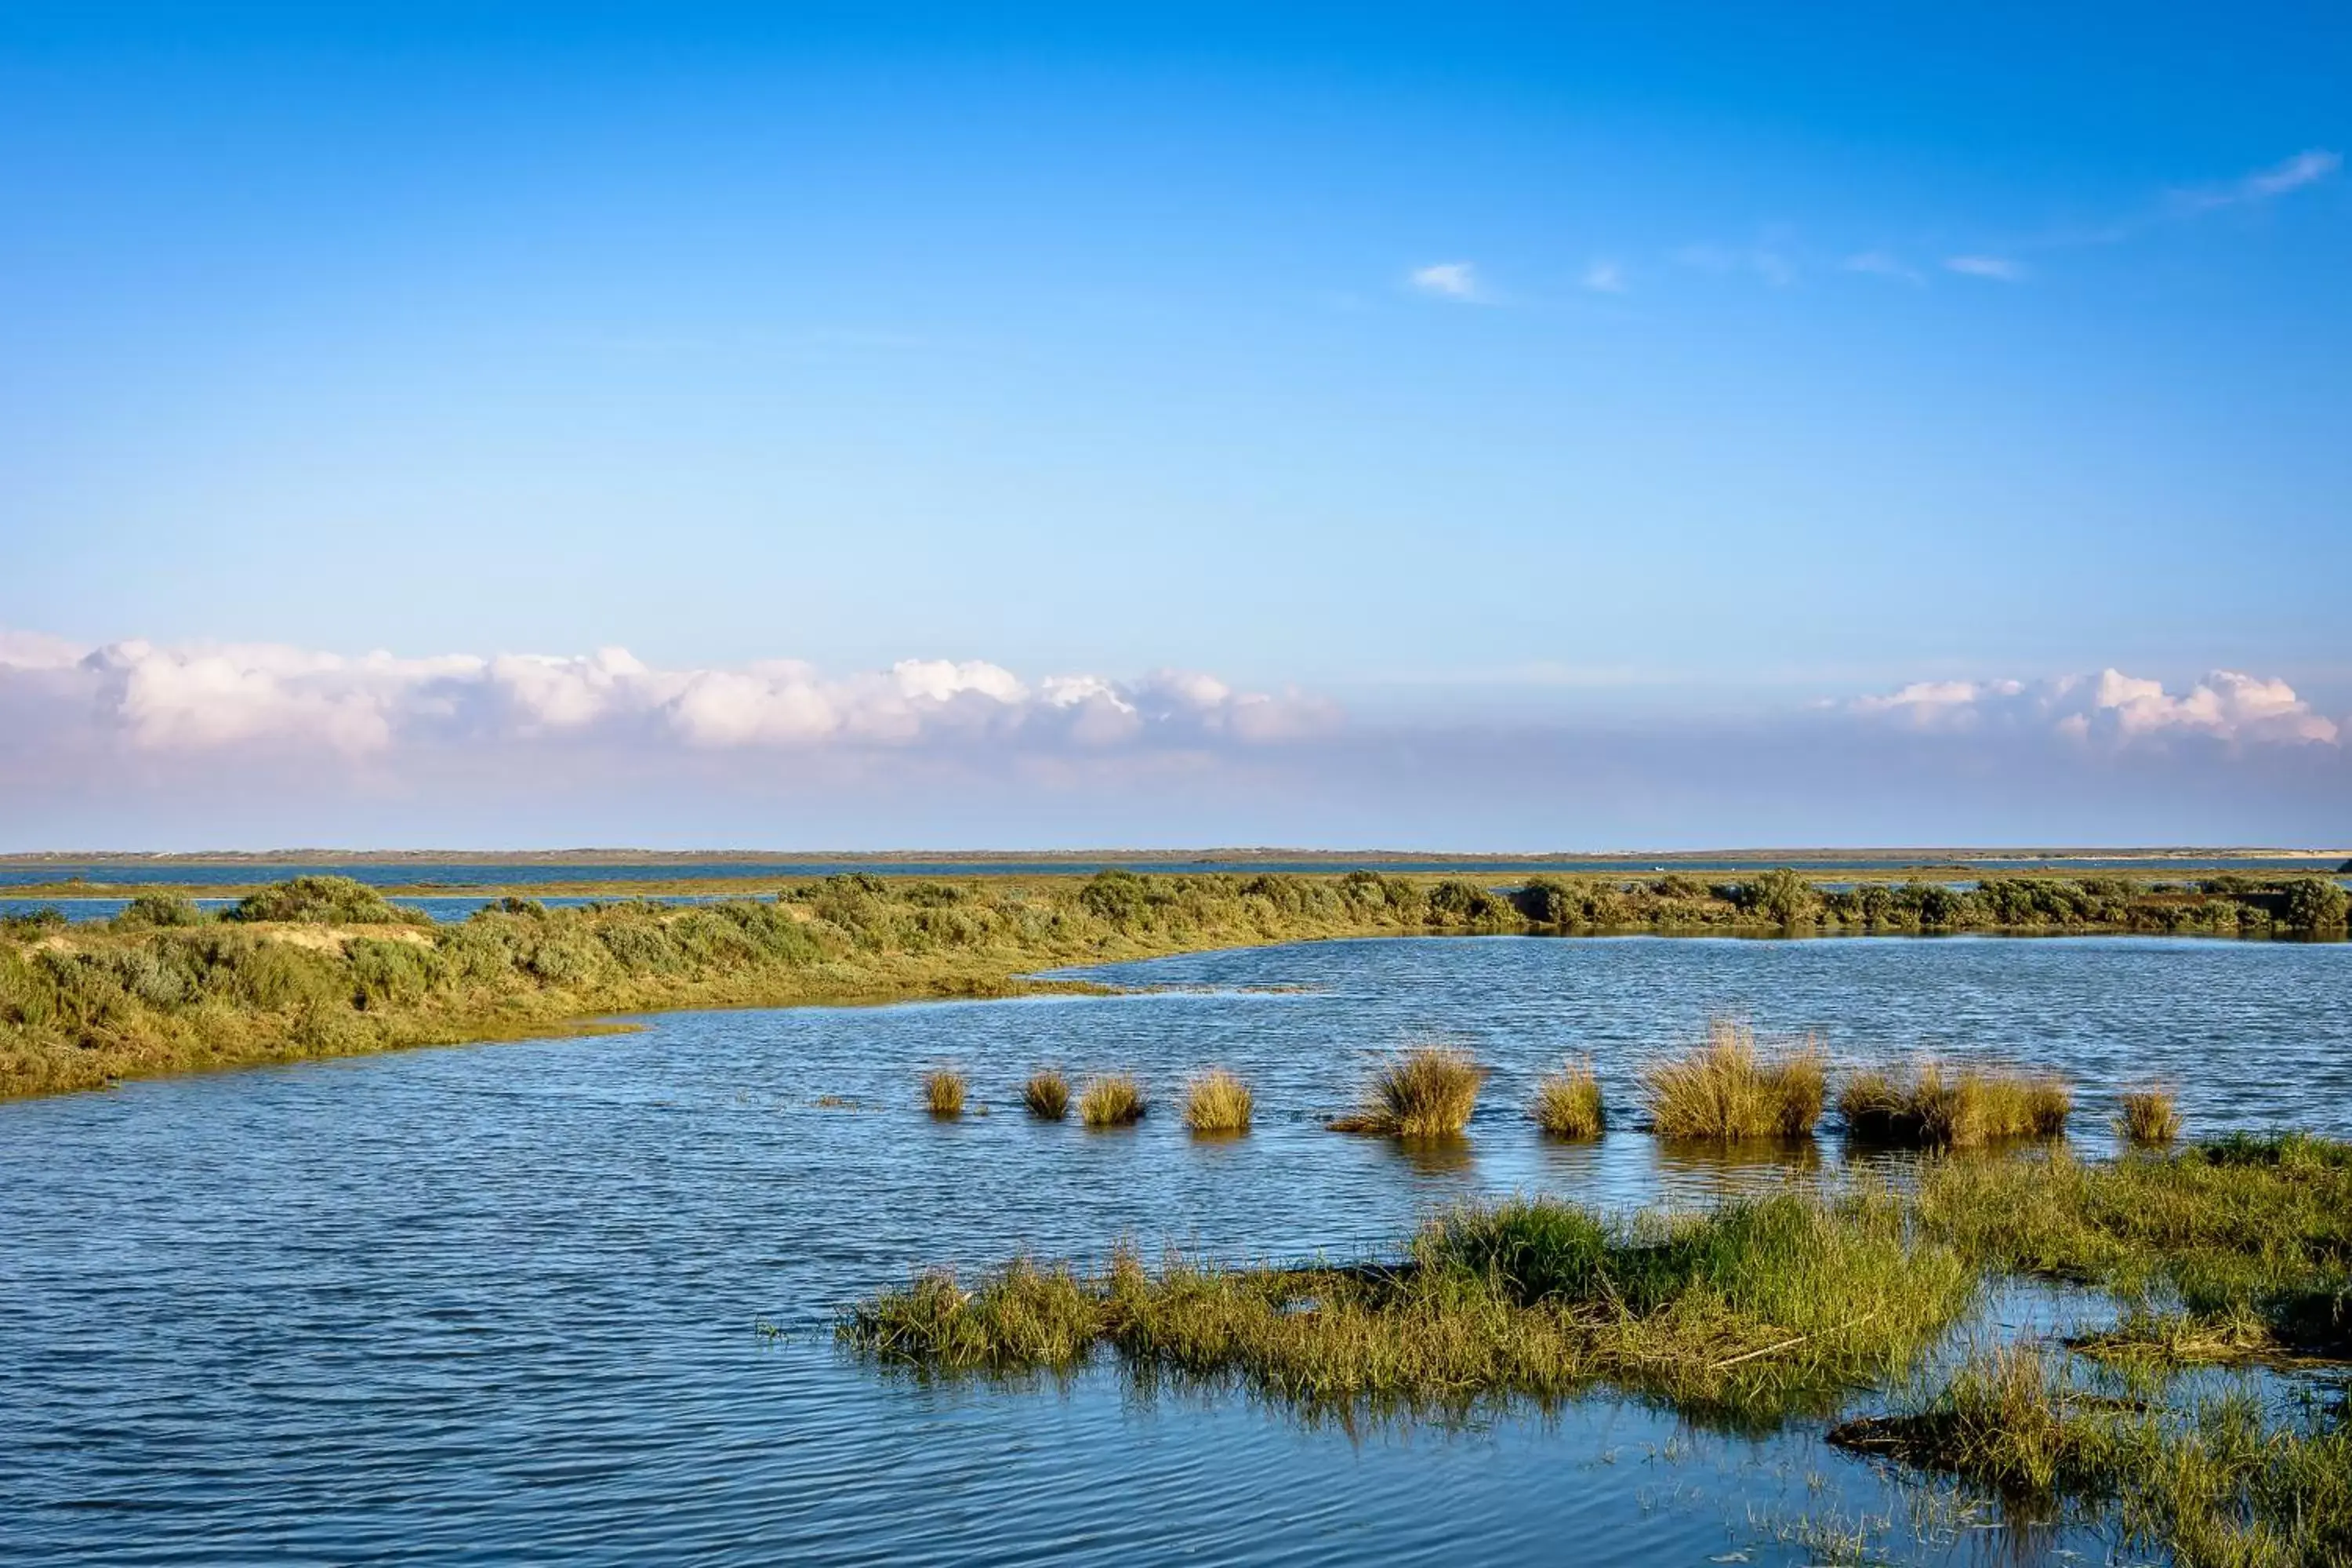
(1111, 1099)
(1047, 1095)
(944, 1092)
(2229, 1482)
(1427, 1091)
(1726, 1090)
(1216, 1102)
(1930, 1106)
(1568, 1103)
(1757, 1306)
(2215, 1235)
(2147, 1118)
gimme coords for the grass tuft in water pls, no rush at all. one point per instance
(1928, 1106)
(944, 1090)
(1728, 1091)
(1568, 1103)
(1047, 1095)
(1216, 1102)
(1428, 1091)
(1111, 1099)
(2148, 1118)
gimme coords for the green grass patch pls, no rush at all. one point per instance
(1759, 1307)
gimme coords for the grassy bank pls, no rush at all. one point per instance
(323, 966)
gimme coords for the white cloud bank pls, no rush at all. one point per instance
(2110, 707)
(272, 697)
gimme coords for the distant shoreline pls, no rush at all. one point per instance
(1926, 856)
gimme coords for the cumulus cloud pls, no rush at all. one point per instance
(2112, 707)
(1449, 280)
(267, 698)
(1998, 268)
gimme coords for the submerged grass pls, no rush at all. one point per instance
(1428, 1091)
(1726, 1090)
(2147, 1117)
(1046, 1094)
(1758, 1306)
(2228, 1482)
(1111, 1099)
(1216, 1102)
(944, 1090)
(1568, 1103)
(1930, 1106)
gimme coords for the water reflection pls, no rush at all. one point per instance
(498, 1303)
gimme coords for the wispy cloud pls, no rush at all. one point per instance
(1882, 264)
(1604, 277)
(1998, 269)
(1763, 261)
(1449, 280)
(2306, 168)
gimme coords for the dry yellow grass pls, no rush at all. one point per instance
(1568, 1103)
(1428, 1091)
(1726, 1089)
(2148, 1117)
(943, 1091)
(1111, 1099)
(1930, 1106)
(1217, 1101)
(1047, 1095)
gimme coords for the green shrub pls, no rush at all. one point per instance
(161, 910)
(322, 901)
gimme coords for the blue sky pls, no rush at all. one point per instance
(1629, 389)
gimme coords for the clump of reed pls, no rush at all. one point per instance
(944, 1090)
(1726, 1089)
(2147, 1117)
(1217, 1101)
(1046, 1094)
(1568, 1103)
(1927, 1106)
(1428, 1091)
(1111, 1099)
